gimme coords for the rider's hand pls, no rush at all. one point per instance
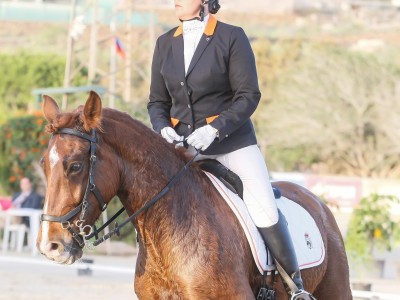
(202, 137)
(170, 135)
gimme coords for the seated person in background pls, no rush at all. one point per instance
(26, 198)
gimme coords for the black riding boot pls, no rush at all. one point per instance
(279, 242)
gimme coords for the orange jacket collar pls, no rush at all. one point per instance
(209, 30)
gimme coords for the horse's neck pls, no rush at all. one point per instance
(146, 162)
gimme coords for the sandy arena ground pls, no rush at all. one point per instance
(23, 277)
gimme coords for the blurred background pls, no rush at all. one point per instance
(329, 73)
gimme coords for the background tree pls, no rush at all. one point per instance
(338, 110)
(22, 72)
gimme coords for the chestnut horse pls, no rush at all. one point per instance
(191, 245)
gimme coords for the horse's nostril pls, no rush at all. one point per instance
(50, 247)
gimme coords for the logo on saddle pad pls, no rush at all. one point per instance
(308, 240)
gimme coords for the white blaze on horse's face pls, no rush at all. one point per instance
(45, 234)
(64, 179)
(45, 226)
(53, 156)
(53, 241)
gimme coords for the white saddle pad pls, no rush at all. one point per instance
(307, 240)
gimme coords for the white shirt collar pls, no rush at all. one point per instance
(195, 25)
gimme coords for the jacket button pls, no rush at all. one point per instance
(182, 83)
(188, 105)
(226, 135)
(189, 126)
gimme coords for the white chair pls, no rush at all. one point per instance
(14, 236)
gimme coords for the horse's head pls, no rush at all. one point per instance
(74, 199)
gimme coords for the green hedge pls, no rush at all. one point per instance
(22, 142)
(372, 227)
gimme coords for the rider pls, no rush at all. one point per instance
(204, 88)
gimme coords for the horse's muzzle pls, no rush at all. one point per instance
(62, 253)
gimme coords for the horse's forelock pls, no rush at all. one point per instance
(70, 120)
(65, 120)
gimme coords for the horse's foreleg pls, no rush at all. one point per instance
(146, 290)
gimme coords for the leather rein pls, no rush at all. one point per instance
(80, 236)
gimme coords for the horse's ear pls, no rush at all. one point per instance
(92, 111)
(50, 108)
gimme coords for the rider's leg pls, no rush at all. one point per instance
(248, 163)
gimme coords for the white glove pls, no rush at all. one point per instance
(170, 135)
(202, 137)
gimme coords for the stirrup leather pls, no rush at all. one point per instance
(302, 295)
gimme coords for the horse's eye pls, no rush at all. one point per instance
(75, 167)
(42, 161)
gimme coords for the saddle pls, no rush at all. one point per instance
(230, 179)
(235, 185)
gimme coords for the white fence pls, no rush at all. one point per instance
(358, 295)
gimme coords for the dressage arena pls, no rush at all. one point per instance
(23, 277)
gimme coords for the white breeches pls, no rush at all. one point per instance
(248, 163)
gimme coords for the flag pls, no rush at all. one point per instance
(120, 47)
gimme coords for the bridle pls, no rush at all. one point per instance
(80, 236)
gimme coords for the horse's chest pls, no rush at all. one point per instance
(156, 285)
(154, 278)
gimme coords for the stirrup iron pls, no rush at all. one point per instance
(302, 295)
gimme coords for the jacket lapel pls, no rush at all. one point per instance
(204, 42)
(177, 52)
(177, 47)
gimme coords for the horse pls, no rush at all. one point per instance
(191, 245)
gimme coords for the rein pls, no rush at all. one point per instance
(148, 204)
(80, 237)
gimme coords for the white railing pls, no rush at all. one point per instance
(374, 295)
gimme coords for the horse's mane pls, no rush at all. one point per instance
(112, 118)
